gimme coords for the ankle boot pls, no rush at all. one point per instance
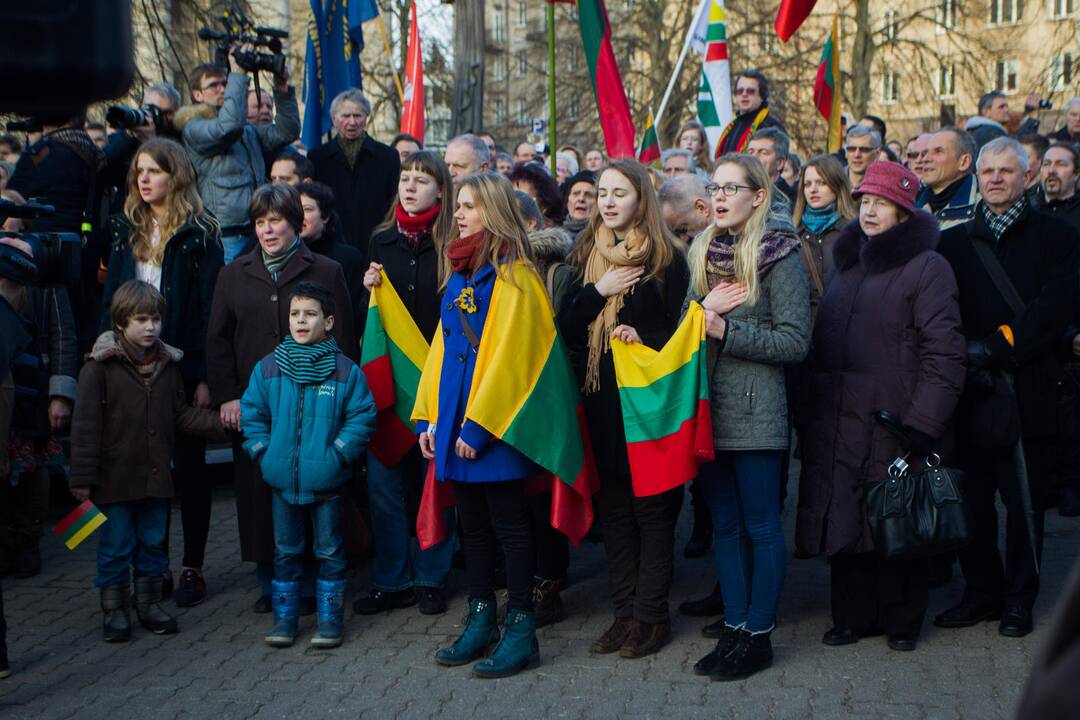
(330, 598)
(645, 639)
(286, 599)
(614, 637)
(547, 603)
(114, 603)
(517, 650)
(751, 653)
(148, 595)
(480, 632)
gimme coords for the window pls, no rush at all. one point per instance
(1061, 72)
(890, 92)
(523, 112)
(1006, 12)
(572, 113)
(498, 31)
(522, 63)
(1062, 8)
(523, 14)
(890, 27)
(498, 69)
(945, 15)
(1005, 76)
(946, 83)
(500, 112)
(628, 5)
(572, 58)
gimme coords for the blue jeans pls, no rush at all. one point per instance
(742, 492)
(234, 246)
(399, 562)
(133, 535)
(289, 524)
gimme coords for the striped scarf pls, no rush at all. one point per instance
(307, 364)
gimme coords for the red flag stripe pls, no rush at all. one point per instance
(716, 51)
(73, 517)
(791, 15)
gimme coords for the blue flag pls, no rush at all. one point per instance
(332, 64)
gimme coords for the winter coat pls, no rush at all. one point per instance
(959, 209)
(742, 123)
(228, 154)
(363, 192)
(983, 130)
(1050, 693)
(817, 255)
(1039, 255)
(249, 315)
(495, 460)
(352, 265)
(652, 308)
(887, 338)
(550, 249)
(123, 427)
(1068, 210)
(306, 437)
(189, 269)
(414, 273)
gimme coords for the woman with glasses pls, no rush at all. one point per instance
(753, 286)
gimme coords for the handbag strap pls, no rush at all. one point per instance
(997, 274)
(466, 328)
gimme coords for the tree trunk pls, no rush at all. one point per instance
(469, 40)
(862, 59)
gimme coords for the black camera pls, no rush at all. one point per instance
(240, 30)
(125, 118)
(24, 126)
(1044, 104)
(57, 256)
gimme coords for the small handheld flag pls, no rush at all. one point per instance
(649, 150)
(827, 87)
(79, 524)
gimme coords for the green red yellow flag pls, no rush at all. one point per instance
(79, 524)
(665, 406)
(392, 355)
(649, 151)
(523, 387)
(615, 120)
(827, 87)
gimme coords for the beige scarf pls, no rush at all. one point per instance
(608, 253)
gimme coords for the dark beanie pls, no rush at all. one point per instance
(586, 176)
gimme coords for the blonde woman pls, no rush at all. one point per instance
(165, 238)
(632, 284)
(754, 289)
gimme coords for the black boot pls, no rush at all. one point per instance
(114, 603)
(148, 595)
(750, 654)
(547, 603)
(708, 606)
(708, 664)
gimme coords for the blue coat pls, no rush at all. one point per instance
(305, 437)
(495, 460)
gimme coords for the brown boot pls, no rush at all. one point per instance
(646, 639)
(614, 637)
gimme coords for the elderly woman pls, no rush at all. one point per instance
(887, 337)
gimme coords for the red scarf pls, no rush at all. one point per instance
(464, 252)
(413, 225)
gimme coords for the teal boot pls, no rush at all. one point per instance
(517, 650)
(330, 598)
(480, 632)
(286, 600)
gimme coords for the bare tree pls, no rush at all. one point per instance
(469, 40)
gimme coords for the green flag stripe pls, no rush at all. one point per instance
(375, 339)
(658, 410)
(406, 382)
(593, 29)
(706, 107)
(716, 33)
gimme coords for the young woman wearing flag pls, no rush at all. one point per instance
(754, 289)
(408, 248)
(632, 284)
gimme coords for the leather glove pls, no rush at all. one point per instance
(918, 443)
(980, 373)
(978, 355)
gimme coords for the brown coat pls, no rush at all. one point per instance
(124, 425)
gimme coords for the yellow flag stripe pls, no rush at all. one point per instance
(84, 532)
(637, 365)
(398, 323)
(427, 392)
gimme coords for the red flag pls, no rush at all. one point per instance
(412, 111)
(791, 15)
(615, 120)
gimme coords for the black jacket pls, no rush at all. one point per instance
(1068, 210)
(364, 192)
(742, 123)
(352, 264)
(1039, 255)
(189, 269)
(413, 273)
(653, 309)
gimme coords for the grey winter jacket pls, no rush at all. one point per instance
(228, 154)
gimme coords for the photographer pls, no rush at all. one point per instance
(228, 153)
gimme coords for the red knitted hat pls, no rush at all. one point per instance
(891, 181)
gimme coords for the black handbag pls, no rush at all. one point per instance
(915, 514)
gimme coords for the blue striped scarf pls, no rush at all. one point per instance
(307, 364)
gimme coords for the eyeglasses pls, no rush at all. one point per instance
(745, 91)
(859, 149)
(729, 189)
(214, 84)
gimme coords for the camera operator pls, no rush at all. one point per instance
(229, 155)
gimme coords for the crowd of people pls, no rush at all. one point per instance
(225, 291)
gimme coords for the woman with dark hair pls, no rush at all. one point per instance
(322, 234)
(534, 179)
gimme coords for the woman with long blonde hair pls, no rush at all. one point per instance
(166, 238)
(756, 297)
(632, 281)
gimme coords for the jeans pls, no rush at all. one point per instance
(289, 538)
(497, 509)
(234, 246)
(133, 535)
(399, 562)
(748, 543)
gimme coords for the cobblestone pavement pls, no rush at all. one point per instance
(218, 666)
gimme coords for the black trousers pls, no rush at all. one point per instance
(195, 488)
(987, 473)
(871, 594)
(551, 546)
(639, 539)
(493, 510)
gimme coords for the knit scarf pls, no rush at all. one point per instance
(307, 364)
(464, 252)
(608, 253)
(351, 148)
(145, 361)
(820, 220)
(274, 263)
(999, 224)
(413, 226)
(720, 256)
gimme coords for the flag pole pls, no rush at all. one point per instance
(679, 63)
(551, 84)
(390, 57)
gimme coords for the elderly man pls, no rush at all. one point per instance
(1017, 279)
(1070, 132)
(752, 112)
(466, 155)
(579, 190)
(685, 205)
(677, 161)
(362, 172)
(260, 108)
(861, 147)
(770, 146)
(949, 189)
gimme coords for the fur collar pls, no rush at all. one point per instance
(551, 244)
(889, 250)
(192, 112)
(108, 346)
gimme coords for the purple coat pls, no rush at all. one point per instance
(887, 337)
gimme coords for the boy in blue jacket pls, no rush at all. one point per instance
(307, 415)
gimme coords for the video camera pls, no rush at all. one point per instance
(240, 30)
(125, 118)
(57, 256)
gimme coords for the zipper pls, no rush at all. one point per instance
(299, 440)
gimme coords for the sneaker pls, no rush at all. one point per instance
(191, 589)
(378, 601)
(430, 601)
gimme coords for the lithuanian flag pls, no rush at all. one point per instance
(650, 142)
(827, 87)
(391, 356)
(525, 394)
(79, 524)
(665, 406)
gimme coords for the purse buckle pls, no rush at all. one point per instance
(898, 467)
